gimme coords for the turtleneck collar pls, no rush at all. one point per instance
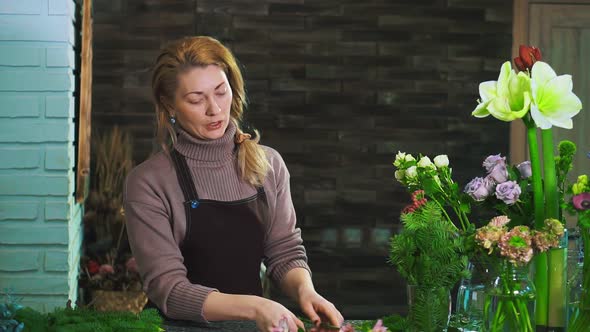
(217, 150)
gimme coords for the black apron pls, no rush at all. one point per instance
(224, 241)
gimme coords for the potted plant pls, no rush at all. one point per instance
(108, 272)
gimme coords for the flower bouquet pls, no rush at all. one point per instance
(509, 304)
(434, 180)
(580, 205)
(504, 189)
(542, 100)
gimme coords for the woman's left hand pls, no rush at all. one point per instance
(317, 308)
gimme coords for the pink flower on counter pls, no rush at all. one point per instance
(379, 327)
(347, 328)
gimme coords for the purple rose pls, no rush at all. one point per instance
(499, 173)
(508, 192)
(492, 161)
(479, 188)
(525, 169)
(581, 201)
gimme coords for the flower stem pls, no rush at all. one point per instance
(445, 213)
(538, 200)
(556, 281)
(536, 172)
(550, 177)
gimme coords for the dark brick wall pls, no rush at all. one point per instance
(337, 87)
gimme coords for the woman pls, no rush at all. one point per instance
(205, 212)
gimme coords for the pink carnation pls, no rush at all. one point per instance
(516, 245)
(554, 227)
(499, 221)
(545, 241)
(488, 236)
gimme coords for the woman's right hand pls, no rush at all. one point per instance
(272, 316)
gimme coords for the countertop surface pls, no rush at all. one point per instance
(176, 326)
(231, 326)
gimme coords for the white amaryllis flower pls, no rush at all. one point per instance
(507, 99)
(411, 172)
(441, 161)
(426, 163)
(554, 103)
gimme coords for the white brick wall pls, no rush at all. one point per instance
(40, 235)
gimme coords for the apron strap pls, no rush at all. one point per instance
(184, 177)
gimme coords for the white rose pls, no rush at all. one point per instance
(399, 175)
(425, 163)
(399, 158)
(409, 157)
(441, 161)
(411, 172)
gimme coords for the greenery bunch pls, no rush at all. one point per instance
(429, 254)
(88, 320)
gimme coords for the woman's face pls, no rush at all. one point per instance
(203, 101)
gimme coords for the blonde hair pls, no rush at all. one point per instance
(184, 54)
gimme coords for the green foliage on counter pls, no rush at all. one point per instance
(87, 320)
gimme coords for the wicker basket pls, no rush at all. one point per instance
(132, 301)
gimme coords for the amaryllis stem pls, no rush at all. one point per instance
(556, 279)
(550, 176)
(541, 276)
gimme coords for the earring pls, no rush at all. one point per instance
(172, 120)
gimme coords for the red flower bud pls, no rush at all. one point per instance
(527, 56)
(409, 209)
(92, 267)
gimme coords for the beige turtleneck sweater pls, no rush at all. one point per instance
(153, 200)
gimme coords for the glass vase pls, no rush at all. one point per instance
(471, 297)
(580, 317)
(575, 264)
(429, 309)
(557, 285)
(510, 301)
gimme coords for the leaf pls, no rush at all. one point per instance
(430, 186)
(465, 207)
